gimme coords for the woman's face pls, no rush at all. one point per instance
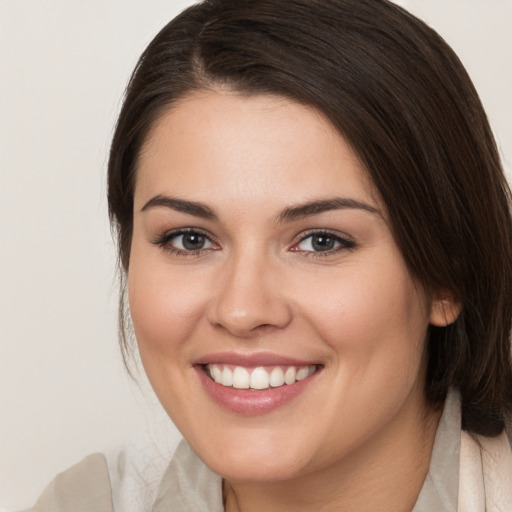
(262, 256)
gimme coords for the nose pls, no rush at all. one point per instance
(249, 298)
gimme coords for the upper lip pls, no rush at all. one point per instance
(252, 359)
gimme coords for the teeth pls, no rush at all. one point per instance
(227, 377)
(259, 378)
(302, 373)
(240, 378)
(276, 377)
(216, 373)
(290, 374)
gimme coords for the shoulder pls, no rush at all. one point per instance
(485, 472)
(135, 479)
(188, 485)
(82, 488)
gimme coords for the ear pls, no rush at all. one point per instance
(444, 309)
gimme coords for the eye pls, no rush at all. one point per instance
(323, 242)
(190, 241)
(185, 241)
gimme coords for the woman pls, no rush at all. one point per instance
(315, 234)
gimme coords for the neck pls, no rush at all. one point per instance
(386, 474)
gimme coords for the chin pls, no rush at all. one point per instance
(255, 471)
(256, 463)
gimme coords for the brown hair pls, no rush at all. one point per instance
(397, 92)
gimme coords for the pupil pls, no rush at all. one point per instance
(193, 241)
(323, 242)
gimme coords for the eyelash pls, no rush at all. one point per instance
(344, 244)
(164, 242)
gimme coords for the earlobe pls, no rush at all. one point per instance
(444, 311)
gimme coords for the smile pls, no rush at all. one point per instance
(257, 383)
(259, 378)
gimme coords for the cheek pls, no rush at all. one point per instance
(166, 304)
(372, 315)
(374, 322)
(166, 308)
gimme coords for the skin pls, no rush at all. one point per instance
(360, 436)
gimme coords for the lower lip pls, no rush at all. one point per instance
(251, 402)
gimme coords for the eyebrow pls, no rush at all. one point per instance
(289, 214)
(191, 207)
(316, 207)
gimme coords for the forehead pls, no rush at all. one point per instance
(256, 147)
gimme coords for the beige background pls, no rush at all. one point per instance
(63, 67)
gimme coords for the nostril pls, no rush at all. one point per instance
(243, 331)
